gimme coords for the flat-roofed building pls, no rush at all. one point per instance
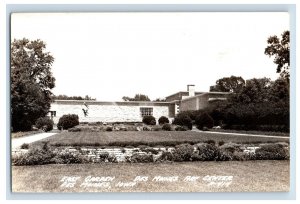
(133, 111)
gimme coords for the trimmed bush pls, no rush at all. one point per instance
(204, 121)
(167, 127)
(211, 142)
(183, 119)
(272, 152)
(25, 146)
(183, 152)
(141, 158)
(221, 143)
(35, 156)
(149, 120)
(163, 120)
(206, 152)
(146, 128)
(109, 128)
(68, 158)
(68, 121)
(181, 128)
(149, 150)
(44, 123)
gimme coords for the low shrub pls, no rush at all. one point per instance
(146, 128)
(149, 120)
(35, 156)
(183, 119)
(272, 152)
(225, 156)
(44, 123)
(141, 158)
(24, 146)
(181, 128)
(105, 157)
(183, 152)
(68, 121)
(211, 142)
(206, 152)
(109, 128)
(68, 158)
(221, 143)
(162, 120)
(167, 127)
(166, 156)
(204, 121)
(241, 156)
(231, 147)
(150, 150)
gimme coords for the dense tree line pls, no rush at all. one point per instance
(261, 104)
(65, 97)
(137, 97)
(257, 104)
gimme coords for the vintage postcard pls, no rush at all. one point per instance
(150, 102)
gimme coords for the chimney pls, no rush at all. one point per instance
(191, 90)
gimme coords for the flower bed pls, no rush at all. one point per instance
(102, 127)
(184, 152)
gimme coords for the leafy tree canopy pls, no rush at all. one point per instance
(280, 49)
(160, 100)
(31, 82)
(255, 91)
(228, 84)
(137, 97)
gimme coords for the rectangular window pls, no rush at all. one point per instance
(146, 111)
(53, 113)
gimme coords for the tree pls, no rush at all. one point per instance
(160, 100)
(228, 84)
(255, 91)
(137, 97)
(31, 82)
(261, 105)
(65, 97)
(280, 48)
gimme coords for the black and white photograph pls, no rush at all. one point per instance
(150, 102)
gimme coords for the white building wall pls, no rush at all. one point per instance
(106, 113)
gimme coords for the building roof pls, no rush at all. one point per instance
(184, 92)
(119, 103)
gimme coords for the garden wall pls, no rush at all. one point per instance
(108, 111)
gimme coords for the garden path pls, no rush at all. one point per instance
(17, 142)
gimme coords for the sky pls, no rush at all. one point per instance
(111, 55)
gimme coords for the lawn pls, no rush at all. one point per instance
(151, 138)
(254, 132)
(255, 176)
(24, 134)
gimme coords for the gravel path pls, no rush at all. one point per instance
(17, 142)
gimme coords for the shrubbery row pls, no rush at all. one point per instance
(202, 120)
(183, 152)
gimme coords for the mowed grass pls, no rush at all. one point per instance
(150, 138)
(254, 132)
(248, 176)
(24, 134)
